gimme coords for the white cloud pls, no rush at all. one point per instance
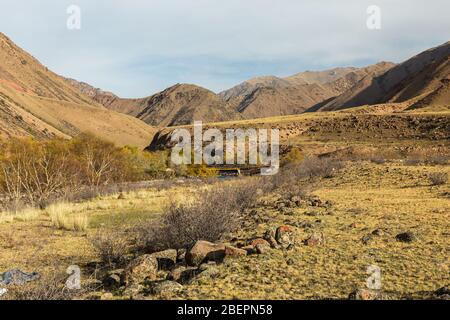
(136, 47)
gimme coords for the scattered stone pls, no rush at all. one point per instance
(261, 241)
(181, 255)
(204, 251)
(290, 262)
(234, 252)
(312, 213)
(166, 259)
(364, 294)
(114, 279)
(406, 237)
(378, 232)
(141, 268)
(316, 239)
(284, 236)
(250, 249)
(262, 248)
(269, 236)
(164, 286)
(353, 225)
(367, 239)
(444, 291)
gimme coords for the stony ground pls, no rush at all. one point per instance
(389, 198)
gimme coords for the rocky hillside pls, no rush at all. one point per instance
(258, 97)
(271, 96)
(36, 102)
(423, 80)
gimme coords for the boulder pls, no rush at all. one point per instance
(269, 236)
(114, 279)
(250, 249)
(141, 268)
(444, 291)
(204, 251)
(166, 259)
(259, 241)
(234, 252)
(262, 248)
(284, 236)
(316, 239)
(406, 237)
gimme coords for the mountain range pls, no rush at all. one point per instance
(34, 101)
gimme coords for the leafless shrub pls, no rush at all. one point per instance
(215, 213)
(438, 178)
(112, 247)
(321, 167)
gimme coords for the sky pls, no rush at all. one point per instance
(135, 48)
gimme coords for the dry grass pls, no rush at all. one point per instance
(27, 214)
(389, 196)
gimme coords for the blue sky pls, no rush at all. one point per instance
(138, 47)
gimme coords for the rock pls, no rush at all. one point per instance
(262, 248)
(183, 274)
(3, 291)
(269, 236)
(121, 196)
(181, 255)
(316, 239)
(164, 286)
(234, 252)
(354, 225)
(166, 259)
(406, 237)
(367, 239)
(261, 241)
(141, 268)
(378, 232)
(204, 251)
(284, 236)
(114, 279)
(443, 291)
(250, 249)
(364, 294)
(289, 262)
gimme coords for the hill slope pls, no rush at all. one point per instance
(424, 77)
(36, 102)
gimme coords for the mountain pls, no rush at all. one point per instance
(36, 102)
(255, 98)
(272, 96)
(420, 81)
(184, 103)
